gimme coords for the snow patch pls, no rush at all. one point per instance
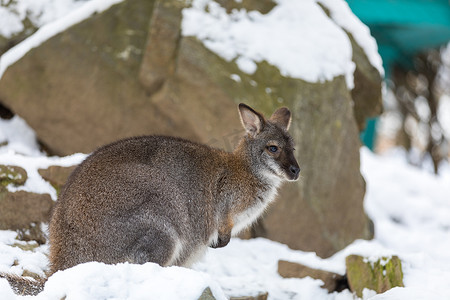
(128, 281)
(295, 36)
(341, 13)
(53, 28)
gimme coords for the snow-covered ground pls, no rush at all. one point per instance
(410, 208)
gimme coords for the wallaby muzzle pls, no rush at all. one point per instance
(295, 171)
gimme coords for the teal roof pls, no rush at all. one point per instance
(403, 28)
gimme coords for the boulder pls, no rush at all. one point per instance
(56, 175)
(129, 71)
(333, 282)
(18, 210)
(31, 233)
(262, 296)
(366, 94)
(207, 295)
(12, 175)
(379, 276)
(22, 211)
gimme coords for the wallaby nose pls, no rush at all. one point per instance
(295, 170)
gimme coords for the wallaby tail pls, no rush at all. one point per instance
(24, 286)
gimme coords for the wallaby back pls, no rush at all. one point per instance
(165, 200)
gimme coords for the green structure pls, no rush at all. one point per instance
(402, 29)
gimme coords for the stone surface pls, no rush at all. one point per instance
(31, 233)
(262, 296)
(162, 44)
(56, 175)
(100, 81)
(12, 175)
(331, 281)
(101, 100)
(366, 94)
(207, 295)
(20, 209)
(378, 276)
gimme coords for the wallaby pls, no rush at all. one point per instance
(166, 200)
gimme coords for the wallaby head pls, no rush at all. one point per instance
(271, 147)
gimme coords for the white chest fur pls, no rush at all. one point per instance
(251, 214)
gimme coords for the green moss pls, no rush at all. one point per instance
(378, 276)
(207, 295)
(263, 6)
(12, 175)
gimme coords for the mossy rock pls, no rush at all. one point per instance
(378, 276)
(207, 295)
(12, 175)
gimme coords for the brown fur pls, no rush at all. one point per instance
(165, 200)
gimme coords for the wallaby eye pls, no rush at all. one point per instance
(272, 149)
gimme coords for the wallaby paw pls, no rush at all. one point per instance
(222, 241)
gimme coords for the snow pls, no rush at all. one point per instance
(53, 27)
(444, 115)
(295, 36)
(38, 12)
(14, 260)
(341, 13)
(128, 281)
(32, 164)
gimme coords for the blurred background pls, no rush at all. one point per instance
(412, 38)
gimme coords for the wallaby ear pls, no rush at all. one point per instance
(282, 117)
(252, 121)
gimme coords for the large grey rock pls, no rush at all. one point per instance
(101, 80)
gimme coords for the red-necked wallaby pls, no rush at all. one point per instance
(165, 200)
